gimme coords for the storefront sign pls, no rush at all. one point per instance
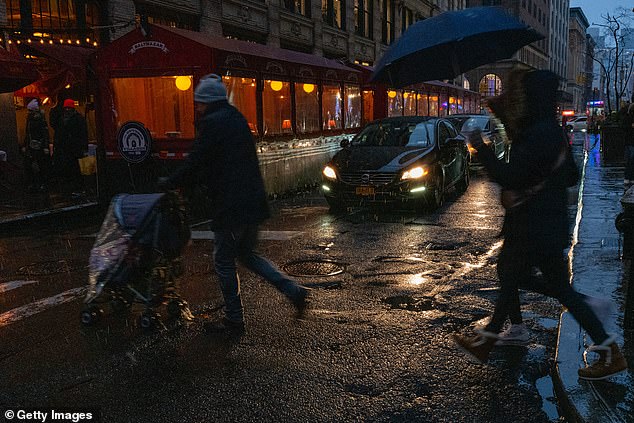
(134, 142)
(148, 44)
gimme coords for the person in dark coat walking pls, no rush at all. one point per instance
(36, 151)
(71, 144)
(224, 158)
(534, 192)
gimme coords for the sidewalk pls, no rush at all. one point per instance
(597, 271)
(19, 207)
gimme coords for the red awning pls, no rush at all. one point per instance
(58, 65)
(15, 72)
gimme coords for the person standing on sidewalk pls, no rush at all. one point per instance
(534, 192)
(224, 158)
(71, 144)
(35, 149)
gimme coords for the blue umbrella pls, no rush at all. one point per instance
(446, 45)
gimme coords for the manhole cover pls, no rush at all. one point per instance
(308, 268)
(49, 268)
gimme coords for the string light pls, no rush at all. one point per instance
(44, 38)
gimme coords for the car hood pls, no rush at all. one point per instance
(380, 159)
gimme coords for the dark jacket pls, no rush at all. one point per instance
(71, 137)
(542, 222)
(36, 130)
(224, 159)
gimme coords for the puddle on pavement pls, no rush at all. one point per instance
(545, 388)
(409, 303)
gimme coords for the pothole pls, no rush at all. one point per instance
(449, 246)
(409, 303)
(313, 268)
(50, 267)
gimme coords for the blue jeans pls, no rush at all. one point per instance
(239, 243)
(515, 269)
(629, 162)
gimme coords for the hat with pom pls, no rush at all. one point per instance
(210, 89)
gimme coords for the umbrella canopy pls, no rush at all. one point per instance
(446, 45)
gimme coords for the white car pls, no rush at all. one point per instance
(577, 123)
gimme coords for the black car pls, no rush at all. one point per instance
(486, 124)
(402, 159)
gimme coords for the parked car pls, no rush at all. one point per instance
(486, 124)
(577, 123)
(411, 160)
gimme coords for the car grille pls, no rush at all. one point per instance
(367, 178)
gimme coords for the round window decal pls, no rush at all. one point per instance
(134, 142)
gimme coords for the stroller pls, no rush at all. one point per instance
(136, 258)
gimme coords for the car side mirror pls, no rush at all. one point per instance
(345, 143)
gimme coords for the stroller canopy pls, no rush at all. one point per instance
(132, 210)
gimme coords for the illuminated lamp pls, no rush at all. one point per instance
(308, 88)
(67, 86)
(276, 85)
(417, 96)
(434, 98)
(286, 124)
(452, 100)
(568, 113)
(28, 41)
(405, 94)
(391, 94)
(183, 83)
(46, 100)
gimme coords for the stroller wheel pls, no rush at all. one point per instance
(147, 320)
(91, 315)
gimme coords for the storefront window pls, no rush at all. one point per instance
(452, 107)
(368, 106)
(241, 93)
(423, 104)
(53, 14)
(353, 106)
(444, 104)
(331, 107)
(409, 103)
(433, 105)
(394, 103)
(333, 12)
(307, 107)
(164, 104)
(276, 107)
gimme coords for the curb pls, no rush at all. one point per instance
(43, 216)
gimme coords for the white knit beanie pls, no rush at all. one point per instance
(210, 89)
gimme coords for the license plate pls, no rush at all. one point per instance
(365, 191)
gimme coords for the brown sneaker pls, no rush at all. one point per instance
(476, 347)
(610, 362)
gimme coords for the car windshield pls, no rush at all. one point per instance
(396, 134)
(469, 123)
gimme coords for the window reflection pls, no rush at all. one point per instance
(433, 105)
(331, 107)
(423, 104)
(368, 106)
(353, 106)
(276, 107)
(409, 103)
(394, 103)
(307, 107)
(241, 93)
(166, 110)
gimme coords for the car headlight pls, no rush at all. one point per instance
(415, 173)
(329, 173)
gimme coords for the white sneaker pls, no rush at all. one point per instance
(514, 335)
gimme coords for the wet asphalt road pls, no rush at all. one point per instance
(374, 346)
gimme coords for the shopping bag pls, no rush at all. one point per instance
(88, 165)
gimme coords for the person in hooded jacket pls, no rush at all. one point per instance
(35, 149)
(224, 158)
(534, 185)
(71, 144)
